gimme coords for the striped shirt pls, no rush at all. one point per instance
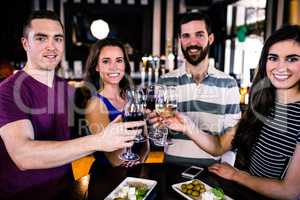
(213, 105)
(277, 142)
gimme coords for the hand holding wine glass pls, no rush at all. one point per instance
(118, 135)
(165, 106)
(134, 112)
(180, 123)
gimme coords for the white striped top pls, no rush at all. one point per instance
(277, 142)
(213, 105)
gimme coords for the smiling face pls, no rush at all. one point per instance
(283, 65)
(111, 65)
(44, 44)
(195, 41)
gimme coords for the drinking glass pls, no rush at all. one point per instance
(159, 98)
(165, 106)
(170, 102)
(134, 111)
(139, 99)
(161, 136)
(150, 97)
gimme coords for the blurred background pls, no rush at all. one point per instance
(148, 29)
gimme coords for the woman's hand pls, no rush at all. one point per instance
(224, 170)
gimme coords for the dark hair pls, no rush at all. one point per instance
(93, 77)
(262, 98)
(192, 16)
(40, 14)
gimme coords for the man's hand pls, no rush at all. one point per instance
(180, 123)
(117, 136)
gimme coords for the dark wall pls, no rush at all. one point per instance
(12, 16)
(218, 15)
(132, 24)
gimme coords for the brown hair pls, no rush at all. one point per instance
(93, 77)
(40, 14)
(194, 16)
(262, 98)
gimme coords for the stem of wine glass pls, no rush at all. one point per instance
(128, 150)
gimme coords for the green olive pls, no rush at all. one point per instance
(184, 190)
(183, 186)
(190, 186)
(197, 188)
(189, 192)
(196, 182)
(195, 194)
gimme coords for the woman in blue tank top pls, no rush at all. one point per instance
(108, 71)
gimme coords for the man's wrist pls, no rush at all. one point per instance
(96, 142)
(190, 130)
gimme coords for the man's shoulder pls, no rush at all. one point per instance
(220, 74)
(221, 77)
(171, 78)
(173, 74)
(9, 82)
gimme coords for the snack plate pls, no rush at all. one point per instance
(150, 184)
(176, 187)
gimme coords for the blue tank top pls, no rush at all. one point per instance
(113, 112)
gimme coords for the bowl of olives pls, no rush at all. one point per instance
(198, 190)
(192, 189)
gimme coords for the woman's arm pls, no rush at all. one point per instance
(97, 118)
(288, 188)
(214, 145)
(96, 115)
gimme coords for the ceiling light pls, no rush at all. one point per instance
(99, 29)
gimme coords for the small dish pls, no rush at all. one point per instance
(177, 188)
(150, 184)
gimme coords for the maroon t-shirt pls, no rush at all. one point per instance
(22, 97)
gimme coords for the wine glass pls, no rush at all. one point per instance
(165, 106)
(160, 98)
(171, 102)
(161, 136)
(139, 99)
(150, 97)
(133, 112)
(159, 104)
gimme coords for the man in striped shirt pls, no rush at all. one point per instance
(208, 96)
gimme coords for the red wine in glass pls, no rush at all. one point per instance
(136, 116)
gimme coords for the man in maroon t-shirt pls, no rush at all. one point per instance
(35, 145)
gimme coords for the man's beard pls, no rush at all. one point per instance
(195, 59)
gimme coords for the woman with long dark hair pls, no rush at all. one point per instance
(108, 73)
(267, 138)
